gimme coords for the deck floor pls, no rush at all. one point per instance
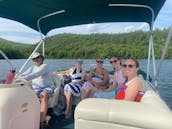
(59, 122)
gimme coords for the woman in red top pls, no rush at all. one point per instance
(133, 89)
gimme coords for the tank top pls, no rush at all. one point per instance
(94, 75)
(122, 89)
(119, 77)
(76, 76)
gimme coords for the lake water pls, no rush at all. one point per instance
(164, 80)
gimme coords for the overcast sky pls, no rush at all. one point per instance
(15, 31)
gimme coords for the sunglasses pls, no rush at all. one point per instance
(79, 62)
(113, 61)
(129, 65)
(99, 61)
(35, 58)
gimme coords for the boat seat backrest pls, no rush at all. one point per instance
(145, 84)
(54, 99)
(150, 113)
(151, 97)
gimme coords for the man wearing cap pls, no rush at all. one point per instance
(42, 82)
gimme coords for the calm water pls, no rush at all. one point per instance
(164, 80)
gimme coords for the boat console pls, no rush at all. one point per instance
(19, 104)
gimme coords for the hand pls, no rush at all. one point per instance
(22, 81)
(74, 83)
(95, 85)
(17, 80)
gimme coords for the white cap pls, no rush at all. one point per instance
(35, 55)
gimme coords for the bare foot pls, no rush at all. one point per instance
(67, 114)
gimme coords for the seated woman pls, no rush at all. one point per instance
(73, 89)
(133, 89)
(98, 78)
(118, 79)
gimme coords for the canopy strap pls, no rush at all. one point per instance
(151, 52)
(164, 51)
(153, 62)
(149, 55)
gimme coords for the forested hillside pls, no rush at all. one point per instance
(15, 50)
(133, 44)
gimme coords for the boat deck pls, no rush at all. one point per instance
(59, 122)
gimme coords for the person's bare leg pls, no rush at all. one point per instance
(84, 93)
(68, 104)
(44, 106)
(92, 91)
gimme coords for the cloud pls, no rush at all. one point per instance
(10, 25)
(92, 28)
(129, 28)
(21, 39)
(143, 26)
(100, 28)
(15, 31)
(136, 26)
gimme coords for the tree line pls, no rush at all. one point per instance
(91, 46)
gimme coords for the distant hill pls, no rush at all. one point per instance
(15, 50)
(133, 44)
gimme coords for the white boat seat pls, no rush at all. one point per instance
(150, 113)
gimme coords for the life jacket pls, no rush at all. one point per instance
(121, 93)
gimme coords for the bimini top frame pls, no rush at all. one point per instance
(151, 49)
(77, 12)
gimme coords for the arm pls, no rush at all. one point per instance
(132, 90)
(90, 75)
(28, 71)
(83, 75)
(105, 80)
(34, 74)
(113, 86)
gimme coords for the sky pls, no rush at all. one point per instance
(15, 31)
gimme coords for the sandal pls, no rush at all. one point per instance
(42, 125)
(68, 115)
